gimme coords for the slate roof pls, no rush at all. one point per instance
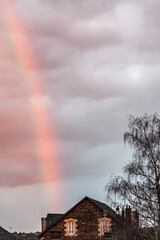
(5, 235)
(52, 218)
(109, 211)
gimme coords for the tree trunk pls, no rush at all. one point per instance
(158, 195)
(156, 235)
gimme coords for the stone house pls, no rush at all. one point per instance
(90, 219)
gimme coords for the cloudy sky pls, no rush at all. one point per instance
(70, 73)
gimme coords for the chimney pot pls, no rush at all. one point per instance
(117, 210)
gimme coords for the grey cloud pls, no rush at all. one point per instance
(92, 69)
(95, 63)
(88, 121)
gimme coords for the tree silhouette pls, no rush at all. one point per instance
(140, 183)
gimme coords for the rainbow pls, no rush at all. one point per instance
(44, 133)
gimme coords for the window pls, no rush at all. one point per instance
(104, 226)
(70, 227)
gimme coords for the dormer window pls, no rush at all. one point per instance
(70, 227)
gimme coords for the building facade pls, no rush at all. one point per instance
(90, 219)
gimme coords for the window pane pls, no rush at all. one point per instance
(71, 227)
(105, 226)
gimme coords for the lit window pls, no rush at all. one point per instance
(71, 227)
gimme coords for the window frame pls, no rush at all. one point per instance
(70, 227)
(101, 227)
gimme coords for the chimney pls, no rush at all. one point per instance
(123, 212)
(128, 213)
(135, 218)
(44, 223)
(117, 211)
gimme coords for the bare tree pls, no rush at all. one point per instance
(140, 183)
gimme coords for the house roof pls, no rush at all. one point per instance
(104, 207)
(109, 211)
(52, 218)
(5, 235)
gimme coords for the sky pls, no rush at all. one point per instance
(70, 74)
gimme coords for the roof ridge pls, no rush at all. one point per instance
(97, 201)
(55, 213)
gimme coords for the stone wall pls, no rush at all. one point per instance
(87, 215)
